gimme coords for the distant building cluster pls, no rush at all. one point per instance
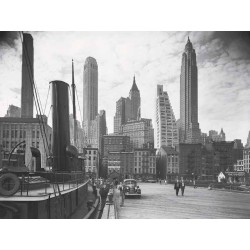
(134, 150)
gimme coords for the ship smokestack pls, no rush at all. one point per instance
(60, 123)
(27, 77)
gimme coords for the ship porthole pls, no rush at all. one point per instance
(9, 184)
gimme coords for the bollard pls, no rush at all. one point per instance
(110, 198)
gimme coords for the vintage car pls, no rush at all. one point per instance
(131, 188)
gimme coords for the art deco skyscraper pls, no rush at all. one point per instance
(166, 127)
(90, 90)
(27, 77)
(189, 126)
(134, 95)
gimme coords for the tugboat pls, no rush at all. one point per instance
(57, 193)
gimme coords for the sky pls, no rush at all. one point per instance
(223, 61)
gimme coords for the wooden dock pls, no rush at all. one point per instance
(160, 202)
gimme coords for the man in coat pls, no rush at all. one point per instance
(177, 186)
(182, 184)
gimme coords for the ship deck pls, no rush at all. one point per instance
(43, 193)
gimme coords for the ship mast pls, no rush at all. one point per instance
(73, 86)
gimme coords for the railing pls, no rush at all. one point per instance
(36, 184)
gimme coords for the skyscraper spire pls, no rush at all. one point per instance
(189, 126)
(134, 86)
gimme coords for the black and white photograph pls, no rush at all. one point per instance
(105, 124)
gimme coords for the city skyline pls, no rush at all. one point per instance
(223, 61)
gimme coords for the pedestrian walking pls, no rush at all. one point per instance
(194, 184)
(165, 182)
(160, 181)
(177, 186)
(182, 184)
(122, 194)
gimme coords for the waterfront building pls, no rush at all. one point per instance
(189, 126)
(166, 127)
(190, 159)
(116, 143)
(91, 162)
(29, 131)
(27, 76)
(246, 159)
(144, 163)
(237, 150)
(140, 132)
(222, 155)
(121, 163)
(239, 166)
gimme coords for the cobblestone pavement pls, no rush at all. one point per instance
(160, 202)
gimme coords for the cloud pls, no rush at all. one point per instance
(16, 90)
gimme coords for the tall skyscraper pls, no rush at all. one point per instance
(90, 90)
(166, 128)
(128, 109)
(189, 126)
(134, 95)
(27, 77)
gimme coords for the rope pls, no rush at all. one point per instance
(79, 106)
(37, 105)
(46, 100)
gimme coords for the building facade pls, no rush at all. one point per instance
(246, 159)
(145, 163)
(13, 111)
(120, 115)
(29, 131)
(90, 89)
(127, 109)
(121, 163)
(140, 132)
(78, 141)
(215, 136)
(91, 162)
(189, 126)
(166, 127)
(134, 96)
(167, 163)
(190, 159)
(116, 143)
